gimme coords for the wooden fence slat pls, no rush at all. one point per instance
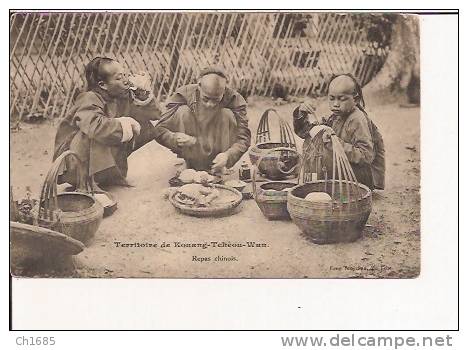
(258, 50)
(72, 89)
(67, 62)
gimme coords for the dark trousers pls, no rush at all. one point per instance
(114, 175)
(117, 174)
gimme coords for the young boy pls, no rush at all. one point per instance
(106, 124)
(359, 136)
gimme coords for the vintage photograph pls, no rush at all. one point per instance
(214, 144)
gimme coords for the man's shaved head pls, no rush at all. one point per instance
(213, 85)
(342, 84)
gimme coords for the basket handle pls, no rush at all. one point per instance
(49, 187)
(263, 129)
(313, 142)
(341, 167)
(255, 166)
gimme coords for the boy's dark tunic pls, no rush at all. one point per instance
(225, 131)
(92, 132)
(359, 140)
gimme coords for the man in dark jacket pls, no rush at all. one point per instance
(206, 124)
(106, 124)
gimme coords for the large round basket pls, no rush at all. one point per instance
(337, 221)
(34, 242)
(216, 209)
(76, 214)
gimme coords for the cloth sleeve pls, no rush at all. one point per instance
(163, 135)
(360, 150)
(243, 140)
(92, 121)
(127, 131)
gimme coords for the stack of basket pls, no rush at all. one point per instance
(276, 161)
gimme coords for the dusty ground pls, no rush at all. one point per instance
(390, 248)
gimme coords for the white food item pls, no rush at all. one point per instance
(320, 197)
(190, 176)
(198, 194)
(190, 190)
(187, 176)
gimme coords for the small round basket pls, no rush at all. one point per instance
(76, 214)
(225, 205)
(272, 198)
(338, 221)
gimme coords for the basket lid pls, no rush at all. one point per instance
(39, 238)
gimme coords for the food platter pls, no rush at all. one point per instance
(225, 204)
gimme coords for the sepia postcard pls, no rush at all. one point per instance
(214, 145)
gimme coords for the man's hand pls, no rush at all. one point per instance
(220, 161)
(184, 140)
(141, 85)
(326, 137)
(309, 107)
(141, 81)
(130, 128)
(136, 127)
(327, 132)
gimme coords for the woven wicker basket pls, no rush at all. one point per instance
(270, 164)
(76, 214)
(271, 196)
(338, 221)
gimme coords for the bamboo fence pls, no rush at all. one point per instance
(299, 51)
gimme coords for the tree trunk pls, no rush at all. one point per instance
(402, 64)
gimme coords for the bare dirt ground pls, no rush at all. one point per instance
(390, 248)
